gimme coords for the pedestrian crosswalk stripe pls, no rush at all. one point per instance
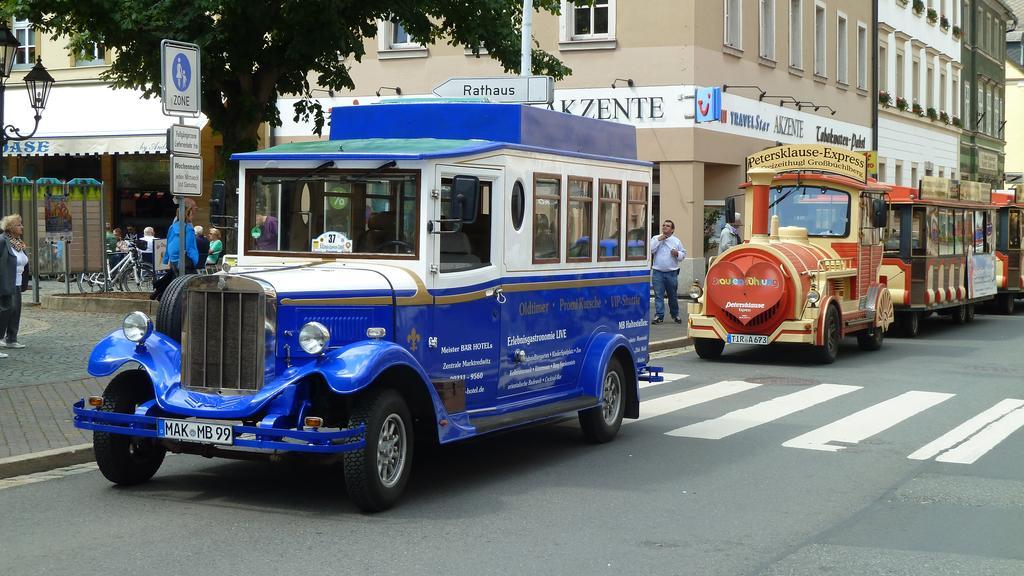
(678, 401)
(985, 440)
(668, 377)
(768, 411)
(967, 429)
(868, 422)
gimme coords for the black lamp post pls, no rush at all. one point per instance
(38, 82)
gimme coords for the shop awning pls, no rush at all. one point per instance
(89, 120)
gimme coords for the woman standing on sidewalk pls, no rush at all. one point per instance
(13, 261)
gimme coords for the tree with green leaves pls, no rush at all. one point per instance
(253, 52)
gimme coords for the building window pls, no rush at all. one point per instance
(842, 55)
(898, 179)
(767, 29)
(393, 41)
(930, 86)
(862, 56)
(915, 79)
(734, 24)
(942, 91)
(819, 41)
(882, 176)
(900, 88)
(913, 173)
(883, 67)
(26, 35)
(796, 33)
(593, 21)
(967, 121)
(955, 94)
(95, 56)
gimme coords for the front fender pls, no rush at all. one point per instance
(160, 356)
(353, 367)
(599, 352)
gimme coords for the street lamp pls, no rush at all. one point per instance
(38, 82)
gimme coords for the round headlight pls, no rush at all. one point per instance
(137, 327)
(696, 291)
(813, 297)
(314, 337)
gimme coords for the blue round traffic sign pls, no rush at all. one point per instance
(181, 72)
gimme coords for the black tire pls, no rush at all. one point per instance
(384, 411)
(601, 423)
(969, 313)
(171, 309)
(958, 314)
(829, 349)
(708, 348)
(910, 323)
(1005, 303)
(871, 339)
(122, 459)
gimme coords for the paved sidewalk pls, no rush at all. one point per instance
(38, 384)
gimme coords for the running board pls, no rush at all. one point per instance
(486, 424)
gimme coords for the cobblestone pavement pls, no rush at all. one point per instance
(38, 384)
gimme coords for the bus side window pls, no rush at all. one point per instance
(547, 200)
(892, 242)
(919, 232)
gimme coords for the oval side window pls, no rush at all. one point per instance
(518, 205)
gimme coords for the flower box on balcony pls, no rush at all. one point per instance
(932, 114)
(933, 16)
(918, 7)
(956, 32)
(901, 104)
(955, 121)
(917, 109)
(944, 23)
(884, 99)
(944, 118)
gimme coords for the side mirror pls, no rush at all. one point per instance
(730, 210)
(465, 196)
(218, 198)
(879, 213)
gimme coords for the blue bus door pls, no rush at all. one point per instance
(464, 277)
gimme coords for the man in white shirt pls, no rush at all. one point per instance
(666, 253)
(148, 235)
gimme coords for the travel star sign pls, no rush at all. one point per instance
(520, 89)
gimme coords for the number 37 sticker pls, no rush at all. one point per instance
(332, 242)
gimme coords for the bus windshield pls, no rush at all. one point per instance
(336, 213)
(823, 211)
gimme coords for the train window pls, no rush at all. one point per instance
(547, 202)
(470, 246)
(1015, 228)
(518, 205)
(579, 220)
(609, 223)
(822, 211)
(918, 232)
(636, 221)
(892, 241)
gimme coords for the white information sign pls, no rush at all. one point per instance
(333, 242)
(183, 140)
(180, 78)
(186, 176)
(522, 89)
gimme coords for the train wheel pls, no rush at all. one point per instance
(829, 349)
(959, 314)
(969, 313)
(910, 322)
(1005, 304)
(708, 348)
(871, 339)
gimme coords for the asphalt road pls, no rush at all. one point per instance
(762, 463)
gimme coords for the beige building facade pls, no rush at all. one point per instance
(789, 71)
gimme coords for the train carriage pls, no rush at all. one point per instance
(1009, 253)
(940, 251)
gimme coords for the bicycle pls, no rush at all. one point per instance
(131, 271)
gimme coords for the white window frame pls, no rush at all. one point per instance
(733, 15)
(766, 22)
(883, 67)
(821, 41)
(796, 36)
(862, 56)
(94, 58)
(842, 48)
(27, 51)
(569, 40)
(389, 50)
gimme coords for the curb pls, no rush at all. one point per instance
(45, 460)
(106, 304)
(670, 344)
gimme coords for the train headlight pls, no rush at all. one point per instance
(813, 297)
(696, 291)
(314, 337)
(137, 326)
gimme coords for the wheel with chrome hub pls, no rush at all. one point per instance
(376, 475)
(602, 422)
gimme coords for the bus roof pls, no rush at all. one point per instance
(420, 130)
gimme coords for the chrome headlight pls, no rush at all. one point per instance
(137, 327)
(314, 337)
(696, 291)
(813, 297)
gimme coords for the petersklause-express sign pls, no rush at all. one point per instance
(812, 157)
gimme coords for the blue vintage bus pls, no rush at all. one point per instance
(417, 278)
